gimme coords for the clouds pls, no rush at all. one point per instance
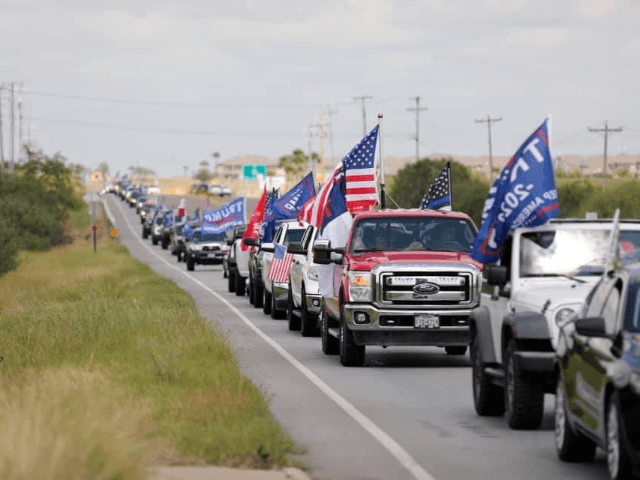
(276, 64)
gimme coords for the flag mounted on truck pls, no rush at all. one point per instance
(523, 195)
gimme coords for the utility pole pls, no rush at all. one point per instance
(2, 172)
(606, 130)
(13, 134)
(364, 113)
(185, 168)
(310, 148)
(417, 109)
(321, 135)
(20, 125)
(330, 125)
(489, 121)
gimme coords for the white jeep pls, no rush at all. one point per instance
(542, 279)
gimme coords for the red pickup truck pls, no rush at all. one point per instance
(404, 277)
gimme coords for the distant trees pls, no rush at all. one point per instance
(34, 206)
(297, 164)
(141, 172)
(469, 190)
(204, 175)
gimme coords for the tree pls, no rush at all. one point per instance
(203, 174)
(469, 189)
(104, 169)
(141, 172)
(296, 164)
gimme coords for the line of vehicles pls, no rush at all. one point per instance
(551, 317)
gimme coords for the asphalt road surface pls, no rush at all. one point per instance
(407, 414)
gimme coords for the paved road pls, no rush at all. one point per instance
(407, 414)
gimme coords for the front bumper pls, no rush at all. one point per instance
(281, 294)
(396, 327)
(314, 303)
(208, 257)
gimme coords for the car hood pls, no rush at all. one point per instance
(558, 291)
(369, 260)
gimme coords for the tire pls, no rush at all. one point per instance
(308, 321)
(231, 282)
(154, 239)
(570, 445)
(330, 344)
(618, 461)
(240, 285)
(251, 290)
(165, 245)
(292, 320)
(351, 355)
(258, 295)
(145, 235)
(488, 399)
(455, 350)
(179, 256)
(523, 395)
(225, 273)
(275, 313)
(266, 305)
(191, 264)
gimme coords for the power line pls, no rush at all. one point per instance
(364, 113)
(489, 121)
(606, 131)
(417, 109)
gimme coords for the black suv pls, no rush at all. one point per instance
(598, 382)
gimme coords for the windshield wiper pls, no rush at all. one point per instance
(559, 275)
(365, 250)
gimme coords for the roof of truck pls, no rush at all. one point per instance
(411, 212)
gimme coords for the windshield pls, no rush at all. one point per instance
(293, 235)
(209, 237)
(569, 252)
(412, 234)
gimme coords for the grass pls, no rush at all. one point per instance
(97, 342)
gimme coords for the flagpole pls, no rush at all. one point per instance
(382, 194)
(450, 188)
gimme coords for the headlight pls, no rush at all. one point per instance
(195, 247)
(563, 315)
(312, 274)
(360, 286)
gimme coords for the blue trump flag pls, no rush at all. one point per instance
(168, 219)
(289, 205)
(268, 225)
(226, 217)
(523, 195)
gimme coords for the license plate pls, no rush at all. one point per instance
(426, 321)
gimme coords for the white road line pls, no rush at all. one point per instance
(393, 447)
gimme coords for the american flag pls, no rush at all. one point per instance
(361, 192)
(281, 264)
(438, 195)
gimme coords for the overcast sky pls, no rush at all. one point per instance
(162, 85)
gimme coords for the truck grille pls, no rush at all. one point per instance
(211, 248)
(448, 288)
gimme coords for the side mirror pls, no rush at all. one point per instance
(322, 252)
(251, 242)
(267, 247)
(230, 241)
(296, 248)
(496, 274)
(591, 327)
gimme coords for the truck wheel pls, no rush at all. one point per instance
(618, 461)
(570, 445)
(231, 281)
(523, 395)
(351, 355)
(275, 314)
(191, 264)
(258, 296)
(292, 320)
(330, 345)
(266, 305)
(179, 256)
(154, 239)
(240, 285)
(308, 321)
(455, 350)
(145, 235)
(250, 290)
(488, 399)
(225, 273)
(165, 245)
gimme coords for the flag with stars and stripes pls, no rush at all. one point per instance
(361, 189)
(438, 195)
(280, 265)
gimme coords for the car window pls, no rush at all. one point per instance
(595, 307)
(293, 235)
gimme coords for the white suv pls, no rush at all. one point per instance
(305, 300)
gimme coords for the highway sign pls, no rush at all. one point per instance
(251, 172)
